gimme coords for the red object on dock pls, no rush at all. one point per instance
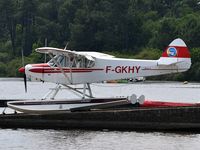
(150, 103)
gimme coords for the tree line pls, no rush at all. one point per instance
(140, 28)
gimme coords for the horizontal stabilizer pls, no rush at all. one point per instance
(168, 61)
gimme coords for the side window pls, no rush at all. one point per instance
(61, 61)
(84, 63)
(91, 64)
(58, 58)
(67, 62)
(73, 62)
(88, 63)
(52, 63)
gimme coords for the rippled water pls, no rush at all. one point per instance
(95, 140)
(24, 139)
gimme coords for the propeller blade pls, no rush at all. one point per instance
(22, 70)
(25, 83)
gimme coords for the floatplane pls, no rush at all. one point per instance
(69, 67)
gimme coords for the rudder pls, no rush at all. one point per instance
(177, 53)
(178, 49)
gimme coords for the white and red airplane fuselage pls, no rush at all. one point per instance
(98, 67)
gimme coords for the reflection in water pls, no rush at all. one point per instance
(98, 140)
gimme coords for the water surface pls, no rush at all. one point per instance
(24, 139)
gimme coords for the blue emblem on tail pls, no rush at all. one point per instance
(171, 52)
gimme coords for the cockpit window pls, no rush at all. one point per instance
(72, 62)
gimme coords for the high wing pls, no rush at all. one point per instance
(58, 51)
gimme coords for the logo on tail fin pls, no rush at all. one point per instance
(171, 52)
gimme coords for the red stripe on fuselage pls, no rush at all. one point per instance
(66, 70)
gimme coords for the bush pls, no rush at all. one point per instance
(2, 69)
(149, 53)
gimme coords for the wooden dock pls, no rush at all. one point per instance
(145, 119)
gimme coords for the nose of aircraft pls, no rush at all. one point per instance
(22, 69)
(25, 69)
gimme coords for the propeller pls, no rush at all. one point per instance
(22, 70)
(25, 82)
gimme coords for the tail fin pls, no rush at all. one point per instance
(177, 49)
(177, 54)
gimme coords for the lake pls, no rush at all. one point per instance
(23, 139)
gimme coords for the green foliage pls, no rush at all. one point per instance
(119, 54)
(2, 69)
(12, 67)
(194, 72)
(149, 53)
(4, 57)
(145, 53)
(195, 55)
(129, 28)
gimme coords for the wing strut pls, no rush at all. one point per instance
(77, 91)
